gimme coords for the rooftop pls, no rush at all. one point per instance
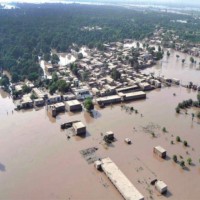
(159, 148)
(121, 182)
(73, 102)
(78, 125)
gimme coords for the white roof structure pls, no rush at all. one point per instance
(160, 149)
(73, 102)
(78, 125)
(121, 182)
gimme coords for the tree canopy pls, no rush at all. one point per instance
(33, 31)
(88, 104)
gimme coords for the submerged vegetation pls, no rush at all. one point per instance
(189, 103)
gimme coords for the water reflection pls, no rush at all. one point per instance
(88, 117)
(2, 167)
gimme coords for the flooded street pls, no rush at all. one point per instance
(37, 161)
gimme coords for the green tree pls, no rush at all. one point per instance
(80, 56)
(159, 55)
(4, 81)
(193, 116)
(191, 59)
(33, 76)
(198, 97)
(175, 159)
(74, 68)
(198, 115)
(115, 74)
(52, 88)
(85, 76)
(168, 54)
(15, 77)
(33, 96)
(177, 110)
(54, 77)
(138, 45)
(182, 164)
(178, 139)
(62, 86)
(47, 57)
(189, 161)
(88, 104)
(54, 59)
(26, 89)
(185, 143)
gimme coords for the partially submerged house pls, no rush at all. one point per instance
(79, 128)
(161, 187)
(161, 152)
(69, 96)
(109, 99)
(82, 93)
(26, 102)
(38, 93)
(54, 99)
(73, 105)
(57, 108)
(39, 102)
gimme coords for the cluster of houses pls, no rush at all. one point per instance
(170, 39)
(98, 84)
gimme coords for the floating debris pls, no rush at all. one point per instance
(90, 154)
(150, 128)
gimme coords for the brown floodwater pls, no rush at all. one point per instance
(37, 161)
(172, 67)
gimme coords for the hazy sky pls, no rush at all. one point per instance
(138, 1)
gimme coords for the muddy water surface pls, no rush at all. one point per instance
(172, 67)
(37, 161)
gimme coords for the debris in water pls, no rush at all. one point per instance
(90, 154)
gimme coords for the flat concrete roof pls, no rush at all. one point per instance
(121, 182)
(109, 98)
(161, 184)
(38, 100)
(109, 132)
(160, 149)
(73, 102)
(78, 125)
(26, 99)
(127, 88)
(135, 94)
(144, 84)
(60, 104)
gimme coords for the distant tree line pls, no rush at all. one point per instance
(34, 30)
